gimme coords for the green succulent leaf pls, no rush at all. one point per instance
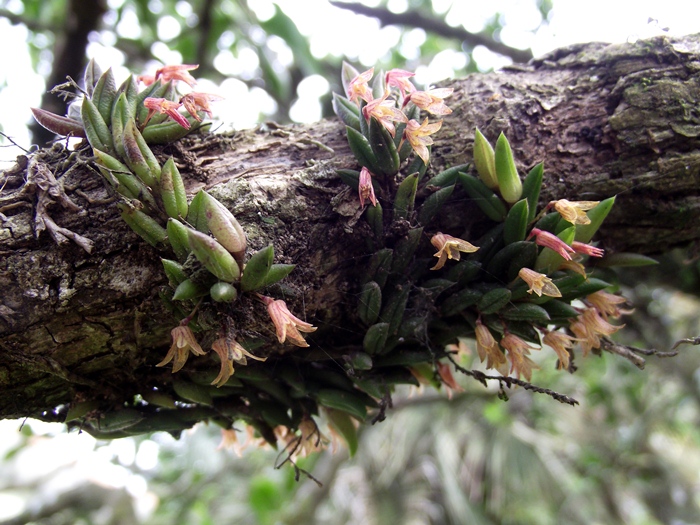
(509, 184)
(257, 268)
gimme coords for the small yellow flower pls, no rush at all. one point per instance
(574, 212)
(184, 342)
(539, 283)
(418, 136)
(287, 325)
(449, 248)
(229, 351)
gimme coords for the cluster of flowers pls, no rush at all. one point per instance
(193, 102)
(588, 326)
(287, 326)
(390, 108)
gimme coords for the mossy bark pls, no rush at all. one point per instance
(606, 120)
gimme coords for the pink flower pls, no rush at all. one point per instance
(587, 249)
(366, 189)
(195, 102)
(432, 100)
(385, 111)
(162, 105)
(418, 136)
(398, 78)
(359, 87)
(177, 72)
(551, 241)
(286, 324)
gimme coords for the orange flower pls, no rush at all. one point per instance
(177, 72)
(596, 324)
(146, 80)
(432, 100)
(183, 343)
(606, 304)
(587, 341)
(287, 325)
(560, 343)
(449, 248)
(162, 105)
(445, 372)
(229, 351)
(385, 111)
(539, 283)
(574, 212)
(195, 102)
(418, 136)
(589, 326)
(487, 347)
(518, 350)
(359, 87)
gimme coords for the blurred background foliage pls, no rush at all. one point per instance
(277, 55)
(629, 454)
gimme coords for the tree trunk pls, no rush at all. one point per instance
(78, 326)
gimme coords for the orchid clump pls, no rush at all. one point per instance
(204, 249)
(516, 289)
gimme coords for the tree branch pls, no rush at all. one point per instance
(606, 120)
(438, 27)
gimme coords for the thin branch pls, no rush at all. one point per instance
(438, 27)
(632, 353)
(510, 381)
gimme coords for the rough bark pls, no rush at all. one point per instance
(606, 119)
